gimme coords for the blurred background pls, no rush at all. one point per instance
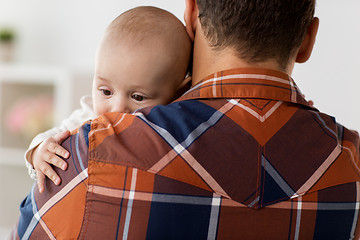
(47, 51)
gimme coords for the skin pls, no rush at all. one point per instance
(127, 78)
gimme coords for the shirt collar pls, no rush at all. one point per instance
(248, 83)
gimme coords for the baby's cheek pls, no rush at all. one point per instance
(99, 108)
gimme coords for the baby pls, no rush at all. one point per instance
(141, 61)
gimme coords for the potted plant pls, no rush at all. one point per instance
(7, 37)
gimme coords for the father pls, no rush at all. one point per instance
(242, 155)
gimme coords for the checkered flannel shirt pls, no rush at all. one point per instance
(241, 155)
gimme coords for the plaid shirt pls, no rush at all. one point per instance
(241, 155)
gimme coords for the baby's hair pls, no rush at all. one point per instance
(141, 23)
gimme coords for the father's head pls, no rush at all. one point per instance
(256, 30)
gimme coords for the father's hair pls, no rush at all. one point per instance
(257, 29)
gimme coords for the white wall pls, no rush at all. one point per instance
(66, 32)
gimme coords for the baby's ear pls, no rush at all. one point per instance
(185, 83)
(183, 87)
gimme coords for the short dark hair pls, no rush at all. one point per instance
(257, 29)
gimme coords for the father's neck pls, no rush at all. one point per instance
(207, 61)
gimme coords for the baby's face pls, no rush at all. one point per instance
(128, 79)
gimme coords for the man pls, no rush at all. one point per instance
(242, 155)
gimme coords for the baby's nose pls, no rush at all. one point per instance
(123, 108)
(120, 105)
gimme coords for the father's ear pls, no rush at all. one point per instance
(190, 16)
(307, 45)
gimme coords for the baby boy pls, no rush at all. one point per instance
(141, 61)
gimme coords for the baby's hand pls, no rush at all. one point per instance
(49, 152)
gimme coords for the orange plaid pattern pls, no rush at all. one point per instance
(241, 155)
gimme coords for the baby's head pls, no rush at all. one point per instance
(142, 61)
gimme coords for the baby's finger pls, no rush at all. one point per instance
(50, 173)
(40, 181)
(57, 162)
(60, 137)
(58, 150)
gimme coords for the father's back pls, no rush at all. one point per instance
(207, 166)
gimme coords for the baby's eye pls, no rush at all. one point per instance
(106, 92)
(137, 97)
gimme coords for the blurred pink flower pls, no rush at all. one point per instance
(30, 115)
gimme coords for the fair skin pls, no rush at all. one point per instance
(125, 84)
(124, 81)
